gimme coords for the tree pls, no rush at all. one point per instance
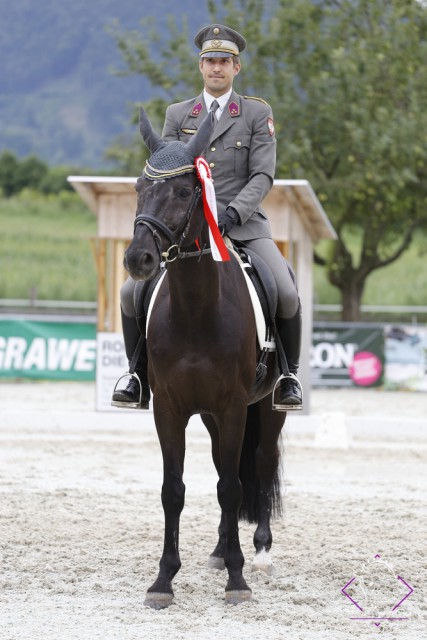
(16, 174)
(348, 86)
(8, 173)
(31, 171)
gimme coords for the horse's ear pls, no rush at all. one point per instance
(152, 139)
(198, 144)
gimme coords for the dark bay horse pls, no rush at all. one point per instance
(202, 357)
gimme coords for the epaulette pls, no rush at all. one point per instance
(255, 98)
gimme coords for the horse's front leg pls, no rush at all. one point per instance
(229, 491)
(216, 559)
(171, 432)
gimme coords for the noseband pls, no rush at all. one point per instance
(156, 226)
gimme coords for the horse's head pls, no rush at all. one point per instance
(168, 200)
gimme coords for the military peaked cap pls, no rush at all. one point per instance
(218, 41)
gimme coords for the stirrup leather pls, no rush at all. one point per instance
(286, 407)
(128, 405)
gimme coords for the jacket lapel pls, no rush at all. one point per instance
(229, 116)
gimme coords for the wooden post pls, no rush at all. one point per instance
(283, 248)
(303, 264)
(119, 277)
(99, 254)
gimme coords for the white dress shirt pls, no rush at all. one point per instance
(222, 101)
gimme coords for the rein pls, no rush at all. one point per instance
(156, 226)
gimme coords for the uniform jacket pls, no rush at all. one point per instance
(241, 153)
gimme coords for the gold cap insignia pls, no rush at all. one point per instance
(216, 31)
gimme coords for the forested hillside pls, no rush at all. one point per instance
(58, 96)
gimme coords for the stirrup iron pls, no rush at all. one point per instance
(128, 405)
(287, 407)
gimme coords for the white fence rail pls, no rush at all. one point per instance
(10, 303)
(411, 314)
(374, 308)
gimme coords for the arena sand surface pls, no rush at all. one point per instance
(81, 523)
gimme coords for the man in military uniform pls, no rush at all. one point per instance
(242, 157)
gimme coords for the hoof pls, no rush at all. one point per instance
(238, 596)
(215, 562)
(263, 562)
(158, 600)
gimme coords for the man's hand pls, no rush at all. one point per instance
(227, 220)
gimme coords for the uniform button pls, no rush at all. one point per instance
(212, 164)
(238, 143)
(213, 148)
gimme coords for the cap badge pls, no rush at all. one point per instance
(233, 109)
(197, 109)
(216, 31)
(216, 43)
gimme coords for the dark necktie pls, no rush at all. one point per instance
(214, 107)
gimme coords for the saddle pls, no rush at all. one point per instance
(263, 291)
(264, 286)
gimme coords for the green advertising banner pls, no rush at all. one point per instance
(47, 350)
(341, 355)
(347, 355)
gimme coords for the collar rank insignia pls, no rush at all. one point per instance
(233, 109)
(197, 109)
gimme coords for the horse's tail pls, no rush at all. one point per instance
(249, 509)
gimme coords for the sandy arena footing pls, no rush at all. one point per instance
(81, 522)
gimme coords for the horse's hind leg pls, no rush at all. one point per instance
(268, 472)
(171, 432)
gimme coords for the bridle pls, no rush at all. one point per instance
(157, 227)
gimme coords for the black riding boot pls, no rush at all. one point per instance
(288, 392)
(137, 393)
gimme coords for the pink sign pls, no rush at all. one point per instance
(365, 369)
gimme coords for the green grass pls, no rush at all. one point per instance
(45, 248)
(401, 283)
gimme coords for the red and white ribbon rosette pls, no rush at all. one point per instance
(219, 250)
